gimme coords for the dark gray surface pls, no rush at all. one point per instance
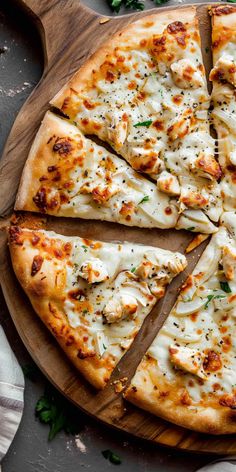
(20, 69)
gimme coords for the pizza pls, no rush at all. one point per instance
(188, 375)
(92, 296)
(145, 94)
(67, 174)
(129, 141)
(223, 77)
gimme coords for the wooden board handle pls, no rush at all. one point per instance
(55, 19)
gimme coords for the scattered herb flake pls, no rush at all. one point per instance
(206, 49)
(209, 298)
(85, 248)
(116, 5)
(143, 123)
(144, 199)
(133, 269)
(191, 228)
(225, 287)
(111, 456)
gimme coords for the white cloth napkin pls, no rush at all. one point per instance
(227, 464)
(11, 395)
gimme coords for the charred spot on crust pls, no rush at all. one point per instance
(62, 146)
(36, 265)
(229, 401)
(176, 27)
(40, 199)
(14, 235)
(224, 10)
(83, 355)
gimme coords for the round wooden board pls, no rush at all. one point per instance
(65, 50)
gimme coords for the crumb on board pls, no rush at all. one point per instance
(119, 384)
(196, 242)
(104, 20)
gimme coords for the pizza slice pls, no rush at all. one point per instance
(223, 77)
(145, 93)
(67, 174)
(92, 296)
(188, 375)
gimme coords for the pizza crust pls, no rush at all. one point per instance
(204, 420)
(146, 26)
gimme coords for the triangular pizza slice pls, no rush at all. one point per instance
(188, 375)
(67, 174)
(92, 296)
(223, 77)
(145, 93)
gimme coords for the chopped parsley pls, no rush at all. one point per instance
(225, 287)
(143, 123)
(144, 199)
(85, 248)
(213, 297)
(111, 456)
(116, 5)
(191, 228)
(133, 269)
(206, 49)
(104, 347)
(53, 409)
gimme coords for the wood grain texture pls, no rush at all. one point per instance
(70, 33)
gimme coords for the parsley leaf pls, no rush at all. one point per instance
(117, 4)
(209, 298)
(111, 456)
(225, 287)
(144, 199)
(191, 228)
(144, 123)
(53, 409)
(84, 248)
(133, 269)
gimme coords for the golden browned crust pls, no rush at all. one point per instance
(165, 402)
(45, 289)
(223, 27)
(41, 161)
(128, 37)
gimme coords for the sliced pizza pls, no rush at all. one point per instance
(188, 375)
(92, 296)
(145, 93)
(67, 174)
(223, 77)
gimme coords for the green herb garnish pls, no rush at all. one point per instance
(191, 228)
(225, 287)
(53, 409)
(213, 297)
(133, 269)
(206, 49)
(116, 5)
(144, 199)
(85, 248)
(111, 456)
(143, 123)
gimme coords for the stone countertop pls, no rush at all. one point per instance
(20, 69)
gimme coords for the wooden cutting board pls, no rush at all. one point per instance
(70, 33)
